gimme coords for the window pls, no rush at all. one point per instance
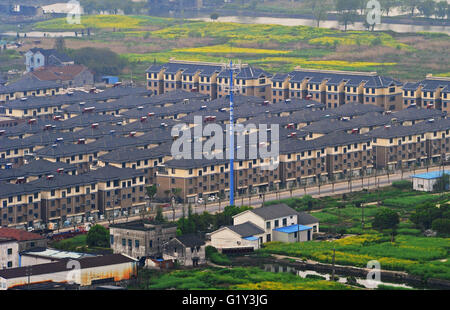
(276, 223)
(136, 244)
(111, 239)
(124, 242)
(268, 225)
(9, 251)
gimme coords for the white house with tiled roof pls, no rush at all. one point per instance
(254, 227)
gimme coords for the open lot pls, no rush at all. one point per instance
(142, 40)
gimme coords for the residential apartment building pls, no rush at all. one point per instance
(335, 88)
(212, 79)
(119, 190)
(432, 92)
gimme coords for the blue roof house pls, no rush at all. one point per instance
(293, 233)
(425, 181)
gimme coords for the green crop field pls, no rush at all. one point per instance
(239, 278)
(422, 256)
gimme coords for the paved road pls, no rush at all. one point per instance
(325, 190)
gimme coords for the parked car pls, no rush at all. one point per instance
(211, 198)
(200, 200)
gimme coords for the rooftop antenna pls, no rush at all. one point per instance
(232, 68)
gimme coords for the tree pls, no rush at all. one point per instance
(427, 8)
(410, 6)
(319, 10)
(424, 215)
(159, 218)
(442, 8)
(60, 44)
(441, 226)
(98, 236)
(347, 12)
(151, 191)
(385, 219)
(442, 183)
(387, 5)
(214, 16)
(99, 60)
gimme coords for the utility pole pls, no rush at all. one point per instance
(362, 216)
(29, 276)
(334, 258)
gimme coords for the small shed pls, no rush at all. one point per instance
(292, 233)
(425, 181)
(110, 80)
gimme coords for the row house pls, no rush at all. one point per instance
(20, 205)
(347, 155)
(396, 146)
(248, 81)
(146, 160)
(62, 198)
(198, 178)
(120, 190)
(28, 87)
(66, 197)
(335, 88)
(34, 170)
(301, 162)
(211, 79)
(433, 92)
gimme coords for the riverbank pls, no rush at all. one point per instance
(406, 20)
(385, 275)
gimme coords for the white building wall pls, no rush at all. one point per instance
(226, 238)
(424, 185)
(28, 260)
(118, 272)
(243, 217)
(284, 237)
(258, 221)
(5, 257)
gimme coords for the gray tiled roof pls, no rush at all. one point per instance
(274, 211)
(246, 229)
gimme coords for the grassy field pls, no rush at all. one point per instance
(239, 278)
(78, 244)
(143, 39)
